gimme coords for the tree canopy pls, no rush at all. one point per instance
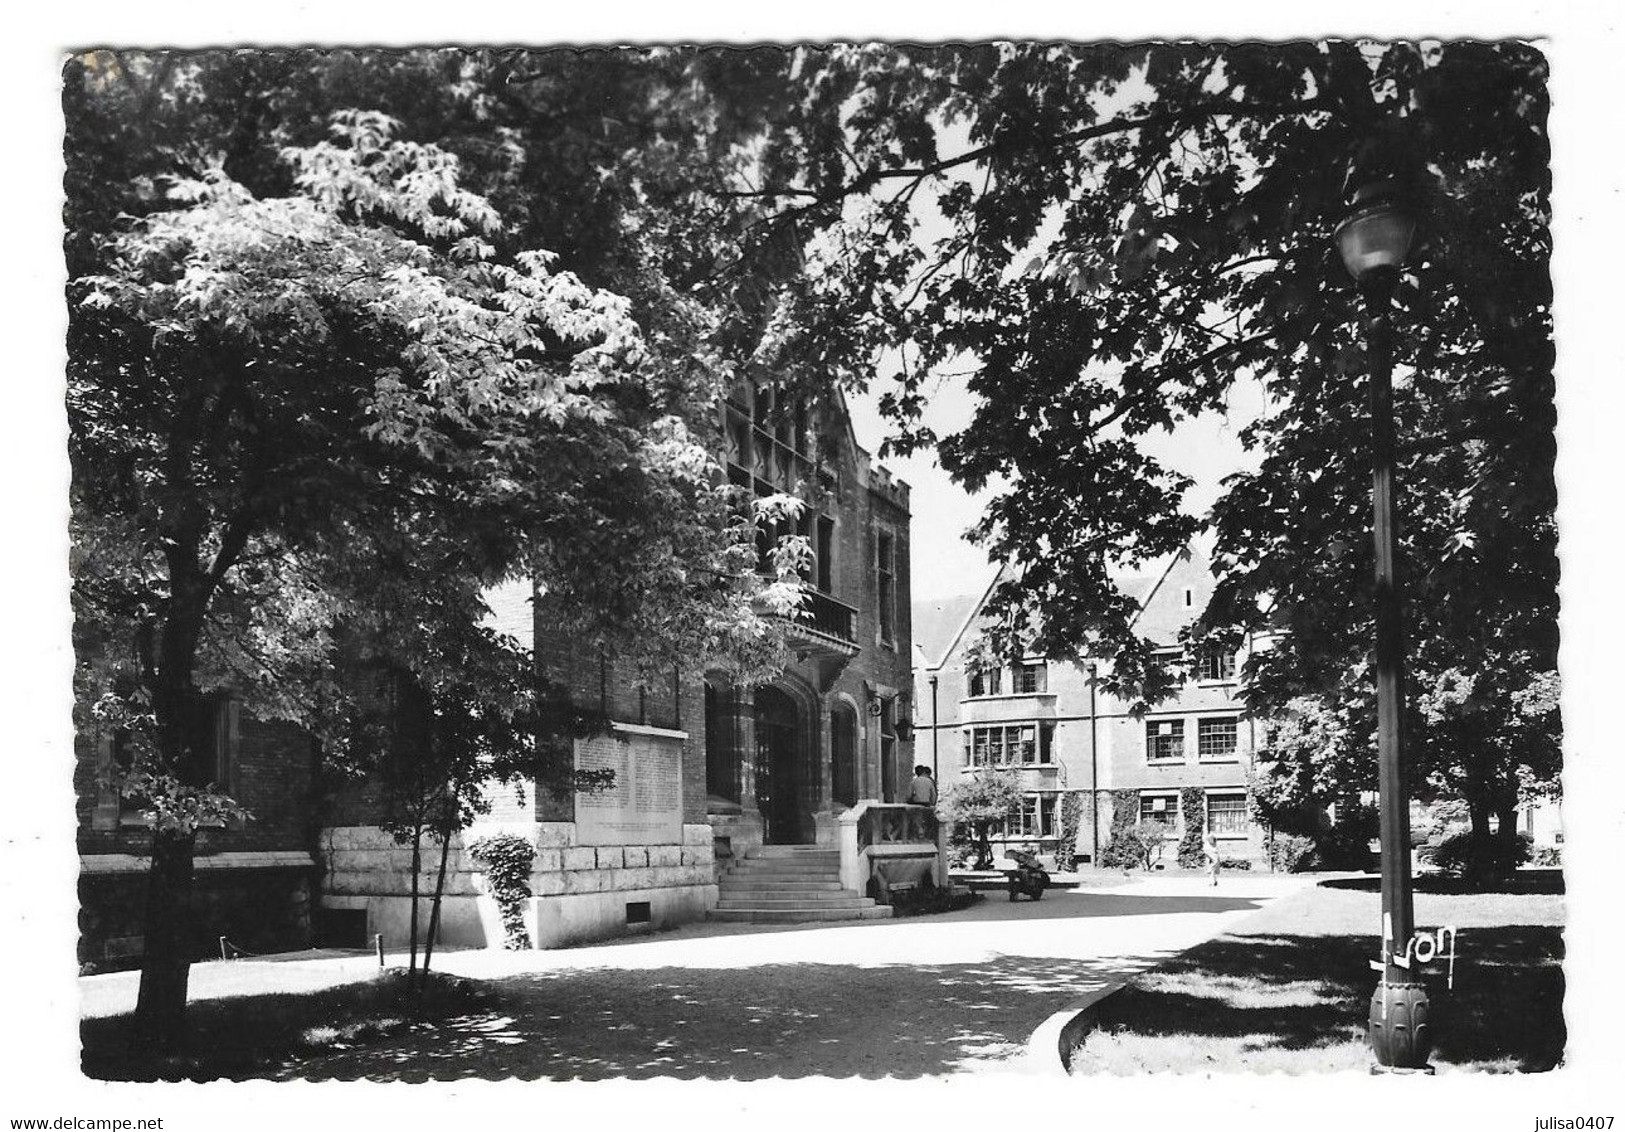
(1111, 237)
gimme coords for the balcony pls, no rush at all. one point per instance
(824, 629)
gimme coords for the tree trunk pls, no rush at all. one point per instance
(412, 923)
(434, 907)
(166, 963)
(1506, 837)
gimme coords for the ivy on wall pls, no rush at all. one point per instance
(1193, 808)
(506, 859)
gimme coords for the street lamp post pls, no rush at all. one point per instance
(1374, 240)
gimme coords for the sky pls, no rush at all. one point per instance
(944, 563)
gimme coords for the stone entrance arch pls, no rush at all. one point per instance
(789, 770)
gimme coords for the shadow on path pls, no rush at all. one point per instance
(782, 1020)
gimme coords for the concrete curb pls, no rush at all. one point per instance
(1051, 1045)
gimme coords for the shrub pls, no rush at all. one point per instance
(1153, 837)
(1347, 845)
(1547, 856)
(1239, 864)
(1461, 854)
(978, 804)
(1193, 807)
(507, 858)
(1292, 853)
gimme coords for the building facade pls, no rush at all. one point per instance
(255, 880)
(1050, 721)
(706, 769)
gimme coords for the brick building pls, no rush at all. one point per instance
(706, 770)
(255, 879)
(1048, 721)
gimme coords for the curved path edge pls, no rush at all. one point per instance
(1049, 1050)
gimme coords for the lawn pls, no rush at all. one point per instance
(1289, 989)
(249, 1035)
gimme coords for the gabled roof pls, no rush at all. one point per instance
(1164, 610)
(1160, 597)
(938, 623)
(960, 624)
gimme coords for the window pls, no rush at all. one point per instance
(1165, 740)
(1029, 679)
(219, 716)
(986, 681)
(1034, 818)
(1022, 744)
(1216, 738)
(824, 548)
(886, 585)
(1162, 808)
(1213, 664)
(1227, 815)
(888, 747)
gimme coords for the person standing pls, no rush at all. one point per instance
(923, 790)
(1210, 855)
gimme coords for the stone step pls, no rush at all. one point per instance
(780, 897)
(793, 852)
(777, 865)
(759, 884)
(798, 915)
(830, 900)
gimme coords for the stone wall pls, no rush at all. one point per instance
(580, 893)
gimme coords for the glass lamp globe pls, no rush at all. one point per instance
(1377, 235)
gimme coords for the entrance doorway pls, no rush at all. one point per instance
(778, 750)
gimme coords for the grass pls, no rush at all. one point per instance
(1289, 990)
(248, 1035)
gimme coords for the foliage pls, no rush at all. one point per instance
(1152, 839)
(1346, 844)
(1123, 849)
(1292, 853)
(1071, 821)
(1238, 864)
(1131, 234)
(1193, 807)
(507, 859)
(304, 351)
(1464, 855)
(979, 803)
(1547, 856)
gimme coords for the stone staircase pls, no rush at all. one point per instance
(790, 884)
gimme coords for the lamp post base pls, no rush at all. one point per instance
(1401, 1033)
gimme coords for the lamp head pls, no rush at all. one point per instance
(1374, 239)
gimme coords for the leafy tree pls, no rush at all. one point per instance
(980, 803)
(269, 397)
(1109, 238)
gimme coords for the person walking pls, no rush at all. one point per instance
(923, 790)
(1210, 855)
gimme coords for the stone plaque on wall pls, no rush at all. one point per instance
(645, 805)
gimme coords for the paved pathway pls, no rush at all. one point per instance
(928, 996)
